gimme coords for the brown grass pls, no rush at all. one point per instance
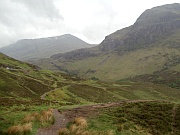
(35, 114)
(15, 130)
(20, 129)
(46, 116)
(80, 122)
(63, 131)
(50, 109)
(27, 127)
(79, 127)
(73, 128)
(28, 118)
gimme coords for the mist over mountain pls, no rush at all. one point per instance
(128, 84)
(151, 44)
(29, 49)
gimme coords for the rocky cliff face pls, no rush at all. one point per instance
(151, 44)
(152, 25)
(76, 55)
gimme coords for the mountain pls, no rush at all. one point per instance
(28, 49)
(146, 102)
(151, 44)
(26, 92)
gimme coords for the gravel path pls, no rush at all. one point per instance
(60, 122)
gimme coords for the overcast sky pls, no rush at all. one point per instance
(90, 20)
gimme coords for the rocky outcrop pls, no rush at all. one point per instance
(153, 25)
(75, 55)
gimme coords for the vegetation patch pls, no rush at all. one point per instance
(80, 127)
(22, 122)
(138, 118)
(92, 94)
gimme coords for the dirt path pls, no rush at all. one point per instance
(60, 121)
(43, 96)
(63, 118)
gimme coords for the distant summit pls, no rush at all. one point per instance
(151, 44)
(152, 25)
(32, 49)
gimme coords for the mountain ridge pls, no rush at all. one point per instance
(27, 49)
(142, 48)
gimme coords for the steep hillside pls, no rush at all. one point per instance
(147, 54)
(153, 25)
(29, 49)
(20, 80)
(25, 90)
(167, 77)
(151, 44)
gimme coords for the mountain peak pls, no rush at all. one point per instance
(28, 49)
(153, 25)
(159, 14)
(151, 44)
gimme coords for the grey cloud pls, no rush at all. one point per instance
(42, 8)
(27, 19)
(95, 32)
(107, 8)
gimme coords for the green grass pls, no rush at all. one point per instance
(13, 114)
(138, 118)
(92, 94)
(112, 67)
(103, 92)
(166, 77)
(21, 88)
(65, 96)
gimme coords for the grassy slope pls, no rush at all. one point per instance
(22, 85)
(112, 67)
(163, 54)
(139, 119)
(166, 77)
(27, 82)
(28, 49)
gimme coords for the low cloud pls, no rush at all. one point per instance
(90, 20)
(41, 8)
(28, 19)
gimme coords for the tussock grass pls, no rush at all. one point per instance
(15, 130)
(80, 127)
(46, 117)
(35, 114)
(27, 127)
(81, 122)
(20, 129)
(43, 118)
(29, 118)
(63, 131)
